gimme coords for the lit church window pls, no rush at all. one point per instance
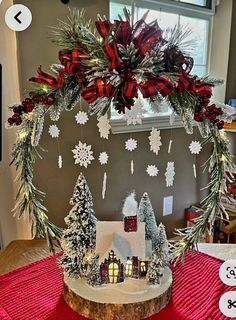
(128, 268)
(113, 271)
(143, 266)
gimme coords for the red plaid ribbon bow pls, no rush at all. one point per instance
(144, 36)
(71, 60)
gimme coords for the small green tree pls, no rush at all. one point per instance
(146, 214)
(154, 274)
(78, 240)
(161, 246)
(94, 275)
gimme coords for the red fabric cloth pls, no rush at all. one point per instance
(34, 292)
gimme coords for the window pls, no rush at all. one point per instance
(128, 268)
(143, 267)
(192, 14)
(113, 271)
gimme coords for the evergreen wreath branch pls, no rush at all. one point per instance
(218, 164)
(29, 198)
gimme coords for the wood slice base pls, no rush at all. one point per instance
(118, 302)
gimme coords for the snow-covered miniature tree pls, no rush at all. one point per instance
(94, 275)
(78, 240)
(130, 206)
(154, 274)
(146, 214)
(161, 246)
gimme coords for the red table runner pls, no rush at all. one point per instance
(34, 292)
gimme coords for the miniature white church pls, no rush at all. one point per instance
(122, 247)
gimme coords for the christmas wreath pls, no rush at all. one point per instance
(112, 66)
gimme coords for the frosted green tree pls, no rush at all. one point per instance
(78, 239)
(146, 214)
(161, 246)
(94, 275)
(154, 274)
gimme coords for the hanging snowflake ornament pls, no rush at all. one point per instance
(170, 174)
(54, 131)
(134, 115)
(81, 117)
(152, 170)
(83, 154)
(103, 158)
(131, 144)
(155, 141)
(195, 147)
(104, 126)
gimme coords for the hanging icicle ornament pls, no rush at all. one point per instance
(155, 140)
(170, 174)
(103, 159)
(130, 145)
(81, 118)
(104, 185)
(104, 126)
(83, 154)
(152, 170)
(132, 167)
(194, 171)
(60, 162)
(195, 147)
(54, 132)
(170, 145)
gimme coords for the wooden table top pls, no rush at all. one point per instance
(22, 252)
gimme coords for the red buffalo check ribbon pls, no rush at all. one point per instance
(146, 36)
(156, 85)
(203, 88)
(71, 60)
(45, 78)
(100, 88)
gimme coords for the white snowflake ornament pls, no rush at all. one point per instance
(170, 174)
(103, 158)
(152, 170)
(135, 114)
(104, 126)
(155, 140)
(131, 144)
(81, 117)
(83, 154)
(195, 147)
(54, 131)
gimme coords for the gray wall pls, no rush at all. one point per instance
(35, 48)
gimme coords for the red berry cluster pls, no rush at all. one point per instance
(211, 113)
(28, 105)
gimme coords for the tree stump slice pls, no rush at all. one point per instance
(132, 299)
